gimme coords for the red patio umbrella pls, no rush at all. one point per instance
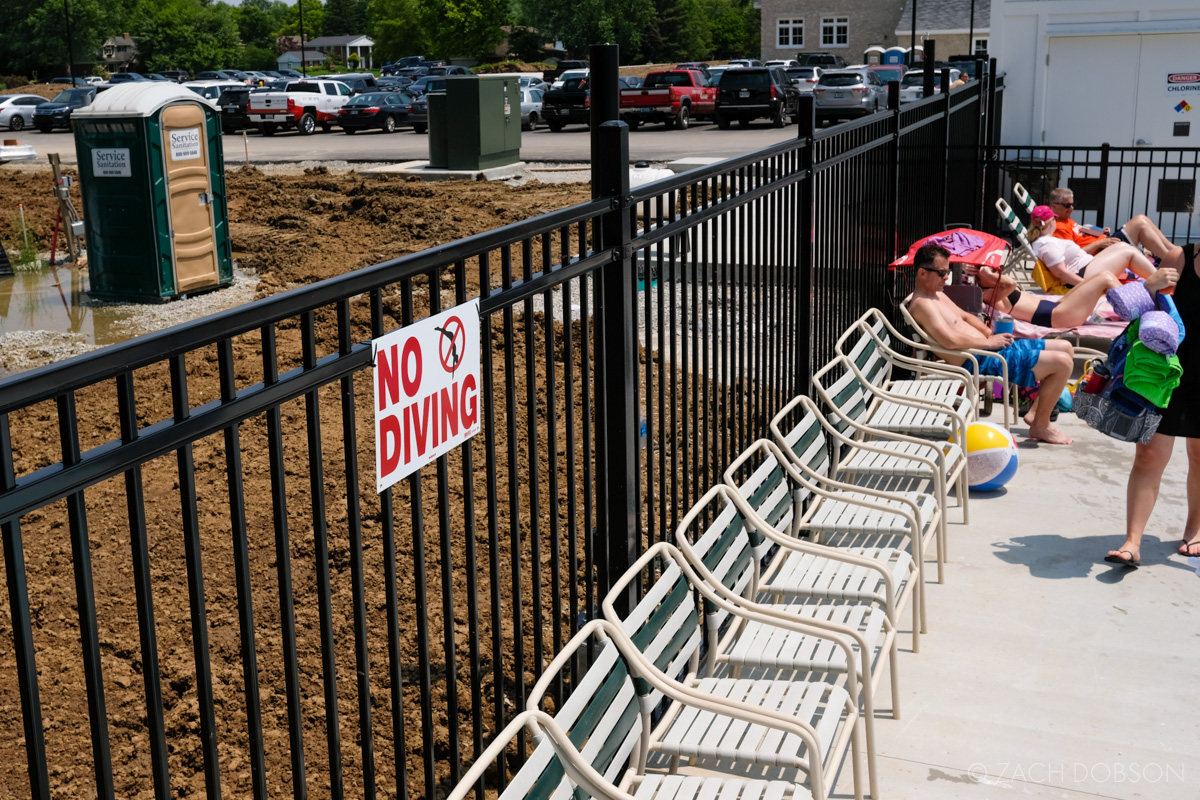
(966, 246)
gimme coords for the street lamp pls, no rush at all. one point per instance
(303, 69)
(70, 46)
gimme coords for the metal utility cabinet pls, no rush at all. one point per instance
(476, 123)
(153, 186)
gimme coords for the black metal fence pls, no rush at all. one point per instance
(1110, 184)
(203, 597)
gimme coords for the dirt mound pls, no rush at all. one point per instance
(47, 90)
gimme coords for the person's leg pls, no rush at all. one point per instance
(1141, 493)
(1117, 259)
(1053, 369)
(1191, 528)
(1079, 303)
(1141, 230)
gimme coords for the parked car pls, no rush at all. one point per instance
(783, 62)
(78, 81)
(426, 84)
(672, 97)
(418, 114)
(289, 73)
(154, 76)
(419, 71)
(383, 110)
(277, 85)
(714, 73)
(557, 74)
(177, 75)
(568, 105)
(531, 108)
(211, 90)
(821, 59)
(804, 78)
(562, 79)
(630, 82)
(57, 113)
(126, 77)
(965, 64)
(700, 65)
(391, 83)
(533, 82)
(889, 72)
(754, 92)
(404, 63)
(94, 80)
(16, 110)
(302, 105)
(358, 82)
(449, 71)
(912, 86)
(233, 101)
(849, 93)
(745, 62)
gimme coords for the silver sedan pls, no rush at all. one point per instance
(531, 109)
(16, 110)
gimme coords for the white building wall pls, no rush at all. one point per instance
(1164, 34)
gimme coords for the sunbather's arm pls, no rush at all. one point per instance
(972, 333)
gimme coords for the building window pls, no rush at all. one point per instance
(835, 31)
(790, 33)
(981, 45)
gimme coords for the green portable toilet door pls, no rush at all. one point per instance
(189, 197)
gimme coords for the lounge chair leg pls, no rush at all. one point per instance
(924, 620)
(895, 670)
(856, 756)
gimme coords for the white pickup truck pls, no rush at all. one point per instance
(303, 104)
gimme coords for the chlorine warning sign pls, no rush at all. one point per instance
(426, 391)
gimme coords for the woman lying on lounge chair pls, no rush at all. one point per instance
(1070, 264)
(1002, 293)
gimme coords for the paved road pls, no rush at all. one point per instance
(651, 143)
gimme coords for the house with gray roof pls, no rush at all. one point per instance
(344, 46)
(947, 22)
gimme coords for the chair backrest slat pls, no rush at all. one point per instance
(730, 549)
(665, 625)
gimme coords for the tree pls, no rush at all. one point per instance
(734, 28)
(467, 27)
(255, 26)
(185, 34)
(622, 22)
(679, 31)
(314, 20)
(33, 37)
(398, 28)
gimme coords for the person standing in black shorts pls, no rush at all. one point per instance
(1181, 418)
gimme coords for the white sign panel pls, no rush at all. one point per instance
(1183, 85)
(426, 391)
(111, 162)
(185, 144)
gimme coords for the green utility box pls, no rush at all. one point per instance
(153, 184)
(476, 123)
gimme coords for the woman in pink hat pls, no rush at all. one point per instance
(1070, 264)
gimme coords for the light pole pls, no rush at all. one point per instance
(70, 46)
(303, 69)
(971, 32)
(912, 47)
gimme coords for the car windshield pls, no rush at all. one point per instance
(667, 79)
(801, 72)
(840, 79)
(745, 79)
(73, 97)
(310, 88)
(886, 75)
(372, 99)
(915, 79)
(229, 96)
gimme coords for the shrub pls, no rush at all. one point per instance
(13, 81)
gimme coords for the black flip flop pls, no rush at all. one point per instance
(1188, 547)
(1125, 562)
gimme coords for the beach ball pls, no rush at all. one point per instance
(991, 456)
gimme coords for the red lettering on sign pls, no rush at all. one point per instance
(1184, 77)
(390, 440)
(411, 366)
(389, 377)
(417, 421)
(449, 397)
(468, 407)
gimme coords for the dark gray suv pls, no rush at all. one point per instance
(755, 92)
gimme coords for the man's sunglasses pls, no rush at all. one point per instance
(941, 273)
(1064, 205)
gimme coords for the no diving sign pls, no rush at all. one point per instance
(426, 391)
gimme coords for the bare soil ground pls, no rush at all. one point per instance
(292, 229)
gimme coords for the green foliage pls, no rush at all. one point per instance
(733, 29)
(314, 19)
(352, 61)
(255, 57)
(345, 17)
(467, 27)
(186, 34)
(577, 25)
(678, 32)
(398, 28)
(13, 81)
(33, 36)
(255, 26)
(526, 44)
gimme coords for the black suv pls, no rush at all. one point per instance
(753, 92)
(232, 102)
(822, 60)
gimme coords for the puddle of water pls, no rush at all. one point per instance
(57, 300)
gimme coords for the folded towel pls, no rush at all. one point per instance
(1159, 332)
(1152, 375)
(1130, 300)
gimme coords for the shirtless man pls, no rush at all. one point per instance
(1029, 360)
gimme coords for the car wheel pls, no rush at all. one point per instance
(722, 122)
(555, 127)
(389, 124)
(308, 124)
(420, 127)
(533, 120)
(17, 123)
(744, 122)
(348, 131)
(683, 118)
(268, 128)
(777, 118)
(633, 124)
(228, 130)
(327, 126)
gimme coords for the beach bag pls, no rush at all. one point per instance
(1102, 400)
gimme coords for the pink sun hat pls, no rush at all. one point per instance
(1041, 214)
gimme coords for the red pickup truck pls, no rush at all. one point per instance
(674, 97)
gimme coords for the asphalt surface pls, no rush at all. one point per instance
(650, 143)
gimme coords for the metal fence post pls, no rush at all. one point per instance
(991, 169)
(806, 123)
(616, 418)
(946, 145)
(893, 104)
(928, 65)
(1105, 149)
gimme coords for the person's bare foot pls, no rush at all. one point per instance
(1028, 418)
(1049, 435)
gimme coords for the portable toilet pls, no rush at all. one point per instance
(895, 55)
(152, 174)
(873, 55)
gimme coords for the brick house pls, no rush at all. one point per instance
(846, 28)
